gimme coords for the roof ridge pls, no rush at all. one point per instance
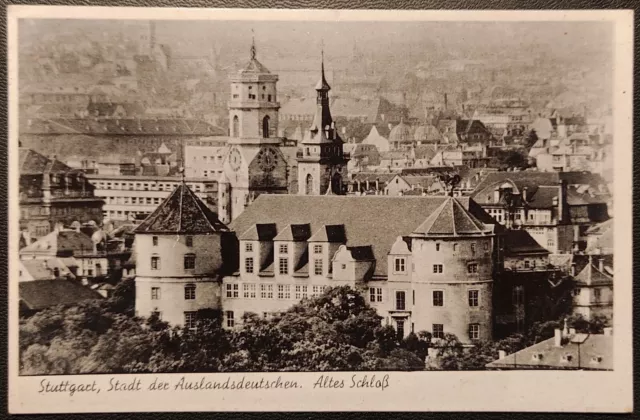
(453, 215)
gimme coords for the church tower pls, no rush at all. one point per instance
(322, 163)
(254, 164)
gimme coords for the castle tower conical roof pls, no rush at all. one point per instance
(182, 213)
(452, 219)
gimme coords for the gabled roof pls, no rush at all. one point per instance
(61, 242)
(182, 212)
(357, 213)
(295, 232)
(40, 294)
(592, 276)
(260, 232)
(330, 233)
(33, 163)
(451, 219)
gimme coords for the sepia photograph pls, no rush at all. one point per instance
(218, 201)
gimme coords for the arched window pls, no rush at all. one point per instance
(265, 127)
(236, 127)
(309, 185)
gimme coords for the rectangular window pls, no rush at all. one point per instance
(232, 290)
(155, 293)
(301, 292)
(375, 294)
(249, 290)
(155, 263)
(596, 294)
(283, 265)
(281, 291)
(455, 247)
(190, 319)
(437, 331)
(189, 241)
(248, 265)
(486, 246)
(518, 296)
(269, 291)
(248, 247)
(317, 267)
(400, 301)
(473, 297)
(438, 298)
(189, 262)
(437, 247)
(526, 263)
(190, 292)
(317, 249)
(230, 318)
(474, 331)
(287, 291)
(438, 268)
(283, 248)
(399, 265)
(473, 249)
(155, 240)
(472, 268)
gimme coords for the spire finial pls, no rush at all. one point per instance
(253, 45)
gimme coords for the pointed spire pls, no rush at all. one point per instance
(253, 45)
(322, 83)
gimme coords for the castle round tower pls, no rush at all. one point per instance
(453, 280)
(178, 259)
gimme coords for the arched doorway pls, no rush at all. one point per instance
(309, 185)
(235, 127)
(336, 183)
(265, 127)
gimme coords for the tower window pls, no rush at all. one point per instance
(438, 298)
(155, 263)
(189, 262)
(437, 331)
(473, 298)
(154, 239)
(190, 292)
(189, 241)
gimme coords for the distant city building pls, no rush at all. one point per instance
(593, 290)
(556, 208)
(52, 193)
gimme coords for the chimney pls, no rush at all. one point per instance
(601, 265)
(590, 265)
(608, 331)
(572, 331)
(502, 354)
(524, 193)
(573, 269)
(562, 200)
(557, 337)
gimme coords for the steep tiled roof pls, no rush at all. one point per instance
(604, 233)
(451, 219)
(182, 212)
(32, 162)
(517, 242)
(62, 242)
(357, 213)
(592, 276)
(40, 294)
(596, 353)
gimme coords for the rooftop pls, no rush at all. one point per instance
(41, 294)
(354, 216)
(182, 212)
(582, 352)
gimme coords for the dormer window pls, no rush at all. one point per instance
(248, 247)
(283, 248)
(317, 249)
(318, 267)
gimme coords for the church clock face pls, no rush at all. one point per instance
(235, 159)
(267, 159)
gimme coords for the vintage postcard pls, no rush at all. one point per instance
(216, 210)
